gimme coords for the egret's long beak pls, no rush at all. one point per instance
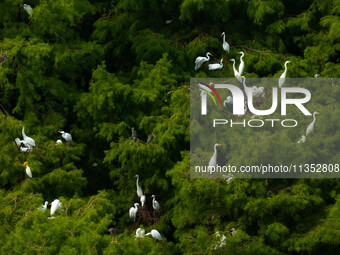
(317, 113)
(214, 234)
(59, 131)
(49, 203)
(230, 59)
(222, 34)
(290, 61)
(18, 144)
(219, 144)
(239, 52)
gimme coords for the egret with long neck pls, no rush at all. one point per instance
(213, 159)
(310, 128)
(283, 75)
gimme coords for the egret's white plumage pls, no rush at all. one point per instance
(44, 206)
(254, 91)
(216, 66)
(225, 45)
(155, 204)
(316, 75)
(142, 200)
(28, 170)
(212, 161)
(241, 66)
(302, 140)
(28, 141)
(200, 60)
(310, 128)
(59, 141)
(283, 75)
(221, 242)
(66, 136)
(236, 74)
(140, 233)
(155, 235)
(133, 212)
(228, 100)
(54, 206)
(28, 9)
(139, 188)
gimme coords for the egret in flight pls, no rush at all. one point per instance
(66, 136)
(28, 169)
(155, 235)
(155, 204)
(44, 206)
(200, 60)
(283, 75)
(225, 45)
(310, 128)
(28, 9)
(241, 66)
(133, 212)
(212, 161)
(139, 188)
(217, 66)
(140, 233)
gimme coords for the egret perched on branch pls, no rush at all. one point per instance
(236, 73)
(142, 200)
(66, 136)
(28, 141)
(28, 169)
(212, 161)
(55, 205)
(3, 58)
(150, 138)
(310, 128)
(133, 134)
(221, 242)
(228, 100)
(21, 146)
(302, 140)
(283, 75)
(59, 141)
(155, 204)
(139, 188)
(216, 66)
(44, 206)
(241, 66)
(200, 60)
(155, 235)
(28, 9)
(133, 212)
(225, 45)
(140, 233)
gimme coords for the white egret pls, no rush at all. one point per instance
(28, 169)
(283, 75)
(254, 91)
(221, 242)
(133, 134)
(54, 206)
(113, 231)
(21, 146)
(155, 235)
(316, 75)
(310, 128)
(140, 233)
(229, 100)
(225, 45)
(200, 60)
(217, 66)
(228, 177)
(155, 204)
(139, 188)
(28, 9)
(133, 212)
(59, 141)
(3, 58)
(212, 161)
(241, 66)
(28, 141)
(66, 136)
(236, 74)
(142, 200)
(44, 206)
(302, 140)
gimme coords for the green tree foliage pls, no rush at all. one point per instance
(97, 68)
